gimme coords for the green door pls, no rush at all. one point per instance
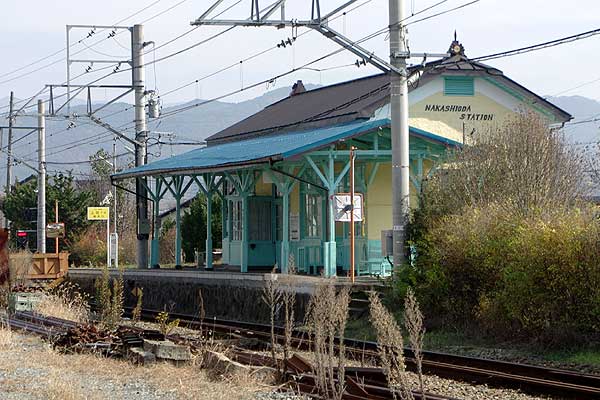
(261, 252)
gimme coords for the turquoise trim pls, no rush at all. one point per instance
(520, 97)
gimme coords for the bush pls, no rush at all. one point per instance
(503, 239)
(90, 247)
(537, 276)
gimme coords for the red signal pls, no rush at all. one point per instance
(21, 234)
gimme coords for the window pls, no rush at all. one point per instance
(236, 219)
(314, 214)
(459, 86)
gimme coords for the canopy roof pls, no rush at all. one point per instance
(266, 149)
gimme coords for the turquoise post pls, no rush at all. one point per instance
(245, 232)
(330, 246)
(209, 243)
(178, 231)
(155, 247)
(285, 229)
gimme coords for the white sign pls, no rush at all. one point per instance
(342, 207)
(294, 227)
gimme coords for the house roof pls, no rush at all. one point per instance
(359, 98)
(254, 151)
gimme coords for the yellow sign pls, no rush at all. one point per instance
(97, 213)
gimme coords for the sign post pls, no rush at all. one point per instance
(114, 248)
(347, 210)
(102, 214)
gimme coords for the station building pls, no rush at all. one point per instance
(279, 169)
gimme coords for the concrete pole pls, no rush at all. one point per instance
(399, 116)
(9, 161)
(141, 134)
(41, 206)
(114, 157)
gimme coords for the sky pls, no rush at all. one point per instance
(34, 29)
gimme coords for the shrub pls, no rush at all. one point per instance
(90, 247)
(537, 275)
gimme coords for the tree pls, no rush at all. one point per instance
(72, 205)
(522, 165)
(193, 226)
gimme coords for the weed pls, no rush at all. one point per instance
(136, 314)
(164, 325)
(271, 296)
(110, 300)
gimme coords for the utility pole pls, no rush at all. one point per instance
(399, 128)
(41, 206)
(141, 133)
(9, 160)
(114, 165)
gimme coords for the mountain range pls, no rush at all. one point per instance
(72, 147)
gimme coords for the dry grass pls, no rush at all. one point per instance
(271, 295)
(90, 376)
(65, 302)
(57, 387)
(288, 295)
(413, 321)
(390, 346)
(19, 264)
(6, 336)
(326, 319)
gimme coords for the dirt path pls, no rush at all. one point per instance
(30, 369)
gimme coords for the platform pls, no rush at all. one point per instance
(225, 294)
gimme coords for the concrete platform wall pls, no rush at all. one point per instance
(226, 295)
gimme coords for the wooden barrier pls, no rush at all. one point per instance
(42, 266)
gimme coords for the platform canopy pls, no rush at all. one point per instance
(250, 152)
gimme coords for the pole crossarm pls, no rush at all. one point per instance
(113, 130)
(316, 22)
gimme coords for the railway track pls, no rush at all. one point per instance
(297, 370)
(528, 378)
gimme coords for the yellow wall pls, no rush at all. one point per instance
(379, 199)
(263, 186)
(466, 113)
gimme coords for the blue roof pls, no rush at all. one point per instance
(253, 151)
